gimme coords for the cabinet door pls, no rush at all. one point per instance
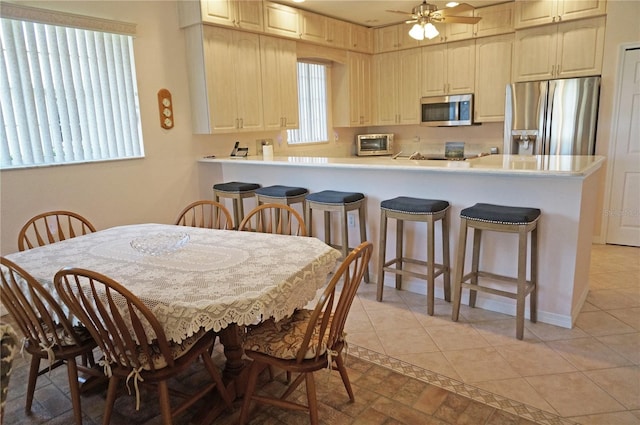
(434, 59)
(219, 12)
(361, 38)
(455, 32)
(461, 67)
(495, 20)
(386, 39)
(493, 73)
(281, 20)
(578, 9)
(386, 87)
(248, 82)
(408, 92)
(288, 71)
(529, 13)
(220, 54)
(313, 27)
(279, 83)
(360, 89)
(249, 15)
(337, 33)
(580, 48)
(535, 53)
(405, 41)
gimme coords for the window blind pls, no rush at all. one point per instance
(67, 95)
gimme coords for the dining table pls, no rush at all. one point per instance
(193, 278)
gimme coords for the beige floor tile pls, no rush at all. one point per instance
(613, 280)
(617, 418)
(630, 316)
(367, 340)
(516, 389)
(572, 394)
(546, 332)
(588, 353)
(600, 323)
(587, 306)
(480, 364)
(434, 362)
(456, 336)
(530, 359)
(441, 314)
(358, 323)
(405, 341)
(610, 299)
(392, 317)
(501, 332)
(622, 383)
(474, 315)
(627, 345)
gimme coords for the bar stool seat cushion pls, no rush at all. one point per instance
(501, 214)
(335, 197)
(236, 187)
(414, 205)
(279, 191)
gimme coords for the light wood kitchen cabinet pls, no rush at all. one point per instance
(313, 27)
(397, 87)
(337, 33)
(360, 39)
(530, 13)
(448, 68)
(232, 13)
(493, 73)
(279, 82)
(351, 91)
(281, 20)
(392, 38)
(225, 94)
(569, 49)
(497, 19)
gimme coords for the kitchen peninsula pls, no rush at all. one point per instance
(564, 187)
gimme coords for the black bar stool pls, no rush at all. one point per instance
(498, 218)
(278, 194)
(329, 201)
(237, 191)
(430, 211)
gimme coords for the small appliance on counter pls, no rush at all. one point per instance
(374, 144)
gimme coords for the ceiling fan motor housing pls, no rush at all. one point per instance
(424, 10)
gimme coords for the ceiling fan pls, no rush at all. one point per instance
(425, 14)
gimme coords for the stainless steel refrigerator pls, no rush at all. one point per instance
(553, 117)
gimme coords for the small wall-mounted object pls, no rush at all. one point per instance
(165, 106)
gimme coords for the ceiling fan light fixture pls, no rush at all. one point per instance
(430, 31)
(417, 32)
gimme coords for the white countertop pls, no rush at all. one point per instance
(532, 165)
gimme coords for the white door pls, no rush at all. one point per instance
(624, 206)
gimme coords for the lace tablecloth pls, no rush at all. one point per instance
(217, 277)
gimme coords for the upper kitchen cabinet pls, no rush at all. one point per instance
(530, 13)
(225, 94)
(337, 33)
(497, 19)
(392, 38)
(448, 68)
(360, 39)
(244, 14)
(397, 87)
(566, 50)
(351, 88)
(313, 27)
(493, 73)
(281, 20)
(279, 83)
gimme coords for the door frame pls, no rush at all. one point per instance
(613, 133)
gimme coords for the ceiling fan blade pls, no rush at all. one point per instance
(398, 11)
(459, 19)
(412, 21)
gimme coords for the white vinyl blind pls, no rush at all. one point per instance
(312, 101)
(67, 95)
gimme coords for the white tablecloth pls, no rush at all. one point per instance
(217, 278)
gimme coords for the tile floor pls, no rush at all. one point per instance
(589, 374)
(410, 368)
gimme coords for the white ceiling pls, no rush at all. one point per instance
(372, 13)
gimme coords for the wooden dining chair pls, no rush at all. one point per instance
(52, 226)
(206, 214)
(134, 343)
(308, 341)
(274, 218)
(49, 334)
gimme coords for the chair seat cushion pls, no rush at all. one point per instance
(177, 350)
(501, 214)
(279, 191)
(414, 205)
(236, 187)
(335, 197)
(283, 339)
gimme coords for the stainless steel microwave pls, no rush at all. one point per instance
(446, 111)
(374, 144)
